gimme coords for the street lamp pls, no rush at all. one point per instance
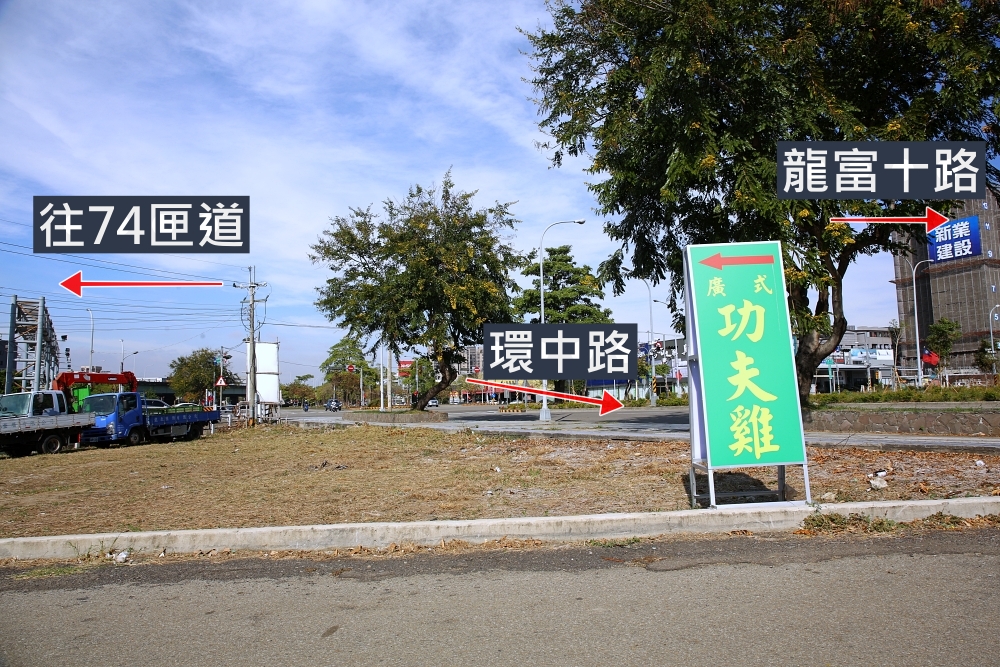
(916, 321)
(652, 398)
(993, 347)
(122, 368)
(91, 362)
(676, 355)
(652, 363)
(544, 415)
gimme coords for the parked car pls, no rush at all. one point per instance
(433, 403)
(155, 403)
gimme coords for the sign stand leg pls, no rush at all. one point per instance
(694, 488)
(805, 477)
(711, 489)
(781, 483)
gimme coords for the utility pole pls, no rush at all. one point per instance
(251, 301)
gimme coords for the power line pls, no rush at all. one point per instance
(14, 222)
(305, 326)
(63, 297)
(144, 271)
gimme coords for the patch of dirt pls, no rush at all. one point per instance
(276, 476)
(834, 524)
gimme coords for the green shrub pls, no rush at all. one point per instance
(909, 395)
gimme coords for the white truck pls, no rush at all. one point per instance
(40, 421)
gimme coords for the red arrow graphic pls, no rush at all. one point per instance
(75, 283)
(608, 403)
(931, 218)
(717, 261)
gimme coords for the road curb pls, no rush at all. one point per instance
(770, 517)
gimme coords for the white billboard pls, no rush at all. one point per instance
(268, 383)
(268, 388)
(267, 357)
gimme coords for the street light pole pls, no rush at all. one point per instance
(652, 365)
(916, 320)
(544, 415)
(673, 365)
(91, 362)
(993, 347)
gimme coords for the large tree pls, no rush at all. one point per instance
(191, 375)
(299, 389)
(348, 351)
(570, 291)
(427, 275)
(678, 105)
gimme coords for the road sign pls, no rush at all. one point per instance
(141, 224)
(887, 170)
(476, 369)
(560, 351)
(745, 401)
(607, 402)
(350, 368)
(221, 382)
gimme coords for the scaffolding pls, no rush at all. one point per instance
(32, 347)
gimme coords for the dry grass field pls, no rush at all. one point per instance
(289, 476)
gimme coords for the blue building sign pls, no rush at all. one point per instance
(955, 239)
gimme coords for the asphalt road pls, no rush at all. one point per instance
(785, 600)
(647, 423)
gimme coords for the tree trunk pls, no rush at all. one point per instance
(448, 375)
(812, 350)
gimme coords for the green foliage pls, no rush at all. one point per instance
(191, 375)
(985, 357)
(941, 337)
(910, 395)
(427, 275)
(345, 352)
(570, 291)
(338, 381)
(299, 390)
(679, 105)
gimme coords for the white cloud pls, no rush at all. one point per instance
(308, 107)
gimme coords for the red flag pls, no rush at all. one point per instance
(929, 357)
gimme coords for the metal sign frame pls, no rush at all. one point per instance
(701, 460)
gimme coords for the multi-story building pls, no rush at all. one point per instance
(863, 359)
(473, 359)
(957, 277)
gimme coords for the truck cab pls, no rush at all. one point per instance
(34, 404)
(119, 416)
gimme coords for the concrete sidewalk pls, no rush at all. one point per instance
(755, 517)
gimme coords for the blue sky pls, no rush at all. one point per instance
(309, 108)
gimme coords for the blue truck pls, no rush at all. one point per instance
(125, 418)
